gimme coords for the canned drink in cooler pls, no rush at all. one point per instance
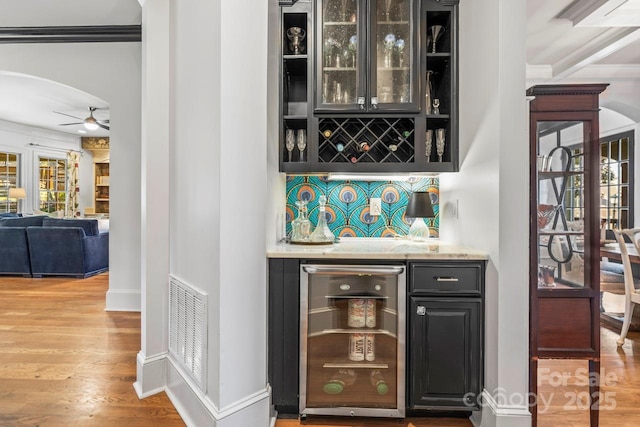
(370, 347)
(356, 317)
(356, 347)
(370, 313)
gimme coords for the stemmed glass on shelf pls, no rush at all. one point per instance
(302, 142)
(290, 141)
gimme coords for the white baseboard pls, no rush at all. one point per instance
(197, 410)
(495, 415)
(123, 300)
(151, 374)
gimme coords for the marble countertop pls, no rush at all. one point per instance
(377, 248)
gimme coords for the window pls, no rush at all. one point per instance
(9, 167)
(52, 184)
(616, 181)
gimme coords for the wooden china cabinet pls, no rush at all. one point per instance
(564, 230)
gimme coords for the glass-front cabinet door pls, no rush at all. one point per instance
(562, 200)
(393, 58)
(366, 60)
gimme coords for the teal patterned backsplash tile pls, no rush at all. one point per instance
(347, 207)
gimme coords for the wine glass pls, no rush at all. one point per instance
(436, 32)
(302, 142)
(428, 144)
(440, 143)
(290, 141)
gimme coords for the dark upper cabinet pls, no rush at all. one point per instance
(366, 56)
(369, 86)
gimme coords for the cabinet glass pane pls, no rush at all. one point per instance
(339, 58)
(393, 51)
(561, 205)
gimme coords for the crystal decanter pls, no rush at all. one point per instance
(322, 233)
(301, 226)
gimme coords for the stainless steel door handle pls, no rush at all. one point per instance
(374, 269)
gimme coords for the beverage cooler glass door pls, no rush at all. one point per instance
(352, 340)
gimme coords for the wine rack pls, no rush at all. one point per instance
(366, 140)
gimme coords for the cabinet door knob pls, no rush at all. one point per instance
(361, 102)
(421, 311)
(374, 102)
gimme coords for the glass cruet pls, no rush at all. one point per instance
(301, 226)
(322, 233)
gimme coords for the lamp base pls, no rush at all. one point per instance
(419, 232)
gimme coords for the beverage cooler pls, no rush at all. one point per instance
(352, 340)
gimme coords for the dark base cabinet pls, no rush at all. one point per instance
(283, 332)
(444, 340)
(444, 355)
(445, 321)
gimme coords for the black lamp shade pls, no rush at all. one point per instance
(419, 206)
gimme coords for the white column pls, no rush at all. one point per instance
(155, 170)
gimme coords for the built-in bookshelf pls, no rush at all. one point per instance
(101, 173)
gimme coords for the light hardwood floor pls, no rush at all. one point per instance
(64, 361)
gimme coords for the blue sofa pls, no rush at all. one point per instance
(14, 248)
(68, 247)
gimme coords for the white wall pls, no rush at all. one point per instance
(217, 170)
(110, 71)
(493, 193)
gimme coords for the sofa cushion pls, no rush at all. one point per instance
(90, 226)
(25, 221)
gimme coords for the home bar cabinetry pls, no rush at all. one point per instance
(369, 86)
(437, 303)
(564, 233)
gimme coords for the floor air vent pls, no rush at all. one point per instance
(188, 329)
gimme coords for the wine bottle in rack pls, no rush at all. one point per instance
(377, 380)
(339, 146)
(339, 380)
(351, 154)
(327, 133)
(364, 146)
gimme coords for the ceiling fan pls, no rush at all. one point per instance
(91, 123)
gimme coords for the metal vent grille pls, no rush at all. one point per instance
(188, 329)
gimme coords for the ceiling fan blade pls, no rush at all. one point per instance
(68, 115)
(69, 124)
(102, 126)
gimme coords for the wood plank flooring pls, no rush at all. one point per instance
(64, 361)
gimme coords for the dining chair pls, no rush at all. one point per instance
(632, 295)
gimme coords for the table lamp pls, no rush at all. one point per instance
(419, 207)
(17, 193)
